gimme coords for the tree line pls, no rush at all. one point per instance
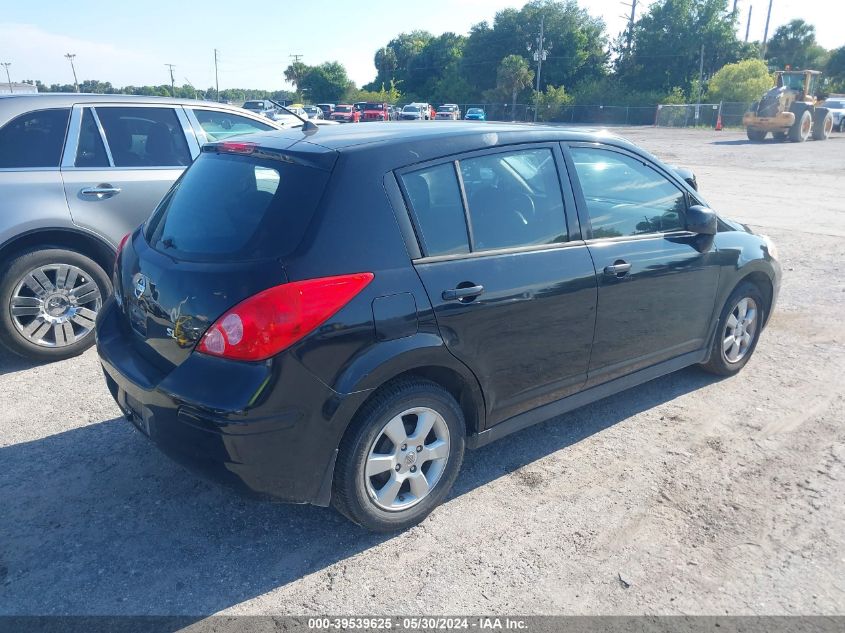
(671, 54)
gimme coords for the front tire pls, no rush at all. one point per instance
(755, 135)
(738, 331)
(49, 300)
(400, 457)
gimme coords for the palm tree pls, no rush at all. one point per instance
(514, 75)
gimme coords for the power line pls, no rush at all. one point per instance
(296, 58)
(172, 81)
(8, 78)
(70, 57)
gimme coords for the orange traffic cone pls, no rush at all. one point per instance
(719, 122)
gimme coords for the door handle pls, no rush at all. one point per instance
(458, 294)
(100, 191)
(620, 268)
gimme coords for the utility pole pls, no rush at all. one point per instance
(295, 58)
(700, 84)
(216, 77)
(748, 24)
(70, 57)
(734, 11)
(540, 55)
(8, 78)
(172, 81)
(629, 36)
(766, 32)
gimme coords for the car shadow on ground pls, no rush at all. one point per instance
(95, 521)
(10, 363)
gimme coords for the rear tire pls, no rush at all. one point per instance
(391, 472)
(822, 124)
(738, 331)
(802, 128)
(755, 135)
(49, 299)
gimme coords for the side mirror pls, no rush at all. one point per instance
(688, 176)
(702, 220)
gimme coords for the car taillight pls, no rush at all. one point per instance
(276, 318)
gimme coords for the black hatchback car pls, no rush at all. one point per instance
(334, 317)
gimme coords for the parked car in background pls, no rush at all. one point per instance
(313, 112)
(375, 112)
(475, 114)
(264, 107)
(835, 104)
(77, 173)
(280, 352)
(344, 113)
(448, 112)
(327, 109)
(413, 112)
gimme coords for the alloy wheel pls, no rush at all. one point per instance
(740, 328)
(407, 459)
(55, 305)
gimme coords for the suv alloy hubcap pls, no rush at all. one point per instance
(407, 459)
(55, 305)
(739, 330)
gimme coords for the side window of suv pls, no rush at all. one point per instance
(626, 197)
(91, 152)
(144, 137)
(435, 198)
(34, 139)
(514, 199)
(219, 125)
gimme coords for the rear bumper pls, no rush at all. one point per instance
(269, 429)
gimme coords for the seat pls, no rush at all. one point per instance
(159, 147)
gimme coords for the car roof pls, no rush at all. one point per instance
(60, 99)
(424, 141)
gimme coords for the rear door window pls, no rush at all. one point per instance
(514, 199)
(238, 207)
(144, 137)
(219, 125)
(34, 139)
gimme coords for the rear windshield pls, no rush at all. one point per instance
(236, 206)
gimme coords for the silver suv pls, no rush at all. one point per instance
(77, 173)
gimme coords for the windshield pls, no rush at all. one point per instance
(343, 109)
(475, 111)
(793, 81)
(254, 105)
(410, 108)
(445, 108)
(374, 106)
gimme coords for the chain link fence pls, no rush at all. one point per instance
(663, 115)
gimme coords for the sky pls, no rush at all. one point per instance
(130, 43)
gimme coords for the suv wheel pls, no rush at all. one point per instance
(738, 331)
(401, 458)
(49, 300)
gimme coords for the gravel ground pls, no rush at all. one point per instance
(685, 495)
